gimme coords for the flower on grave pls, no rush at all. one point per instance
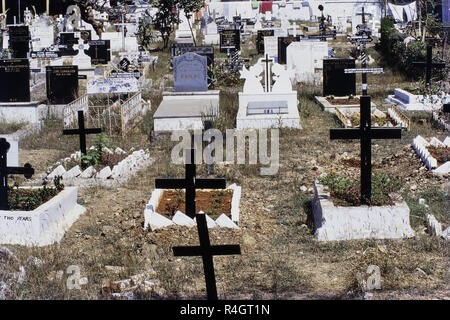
(333, 171)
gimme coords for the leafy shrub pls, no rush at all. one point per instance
(395, 55)
(93, 157)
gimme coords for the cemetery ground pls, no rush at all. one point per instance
(280, 258)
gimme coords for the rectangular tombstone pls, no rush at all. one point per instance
(14, 80)
(335, 81)
(62, 84)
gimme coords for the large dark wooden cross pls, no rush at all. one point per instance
(81, 131)
(366, 133)
(27, 171)
(268, 73)
(430, 65)
(206, 250)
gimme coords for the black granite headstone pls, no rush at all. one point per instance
(19, 41)
(14, 80)
(335, 81)
(206, 51)
(230, 40)
(67, 40)
(283, 43)
(99, 51)
(260, 39)
(175, 48)
(62, 84)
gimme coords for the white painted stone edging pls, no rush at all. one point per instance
(363, 222)
(44, 225)
(155, 220)
(420, 145)
(119, 174)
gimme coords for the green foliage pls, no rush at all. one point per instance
(30, 199)
(94, 156)
(222, 76)
(165, 18)
(346, 191)
(433, 27)
(401, 58)
(145, 34)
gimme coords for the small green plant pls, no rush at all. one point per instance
(346, 191)
(94, 156)
(30, 199)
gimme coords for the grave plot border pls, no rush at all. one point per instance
(43, 226)
(333, 223)
(150, 213)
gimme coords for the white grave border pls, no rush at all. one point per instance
(155, 220)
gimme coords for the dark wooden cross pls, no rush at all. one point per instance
(268, 73)
(430, 65)
(191, 183)
(362, 37)
(82, 131)
(27, 171)
(366, 133)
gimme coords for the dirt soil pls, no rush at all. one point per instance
(441, 154)
(346, 101)
(213, 203)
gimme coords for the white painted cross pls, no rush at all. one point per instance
(81, 59)
(295, 29)
(123, 25)
(81, 46)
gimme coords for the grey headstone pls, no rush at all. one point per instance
(190, 73)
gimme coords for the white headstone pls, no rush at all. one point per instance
(282, 79)
(252, 79)
(271, 47)
(82, 60)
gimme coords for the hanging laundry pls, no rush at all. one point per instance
(403, 13)
(266, 6)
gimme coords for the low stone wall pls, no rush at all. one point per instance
(120, 173)
(420, 145)
(363, 222)
(44, 225)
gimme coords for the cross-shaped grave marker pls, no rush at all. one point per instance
(366, 133)
(26, 170)
(363, 36)
(430, 65)
(268, 73)
(323, 36)
(191, 183)
(81, 46)
(81, 131)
